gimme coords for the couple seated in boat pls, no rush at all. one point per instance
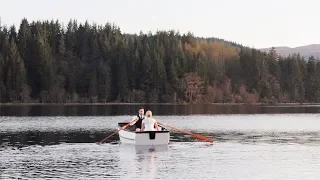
(145, 122)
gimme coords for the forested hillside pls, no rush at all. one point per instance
(45, 62)
(305, 51)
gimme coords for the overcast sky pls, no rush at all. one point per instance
(255, 23)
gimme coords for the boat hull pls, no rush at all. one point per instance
(144, 137)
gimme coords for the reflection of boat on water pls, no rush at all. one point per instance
(143, 148)
(130, 136)
(141, 160)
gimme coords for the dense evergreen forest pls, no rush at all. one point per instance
(49, 63)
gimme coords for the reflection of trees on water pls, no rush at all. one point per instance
(57, 137)
(26, 138)
(111, 110)
(51, 138)
(13, 110)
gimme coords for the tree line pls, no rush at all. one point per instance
(45, 62)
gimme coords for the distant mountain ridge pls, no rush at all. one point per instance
(305, 51)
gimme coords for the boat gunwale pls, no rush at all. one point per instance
(152, 131)
(166, 131)
(132, 131)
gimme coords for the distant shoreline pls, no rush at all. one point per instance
(118, 103)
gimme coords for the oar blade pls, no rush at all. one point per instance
(203, 138)
(198, 136)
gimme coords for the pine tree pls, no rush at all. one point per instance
(173, 78)
(146, 78)
(311, 80)
(295, 78)
(250, 69)
(92, 92)
(302, 78)
(25, 41)
(42, 65)
(2, 85)
(104, 74)
(275, 73)
(16, 82)
(13, 34)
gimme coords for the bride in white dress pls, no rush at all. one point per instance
(149, 123)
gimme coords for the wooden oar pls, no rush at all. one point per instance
(123, 127)
(198, 136)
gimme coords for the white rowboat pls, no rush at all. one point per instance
(130, 136)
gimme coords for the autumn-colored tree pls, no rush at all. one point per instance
(193, 86)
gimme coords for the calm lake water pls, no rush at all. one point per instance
(250, 142)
